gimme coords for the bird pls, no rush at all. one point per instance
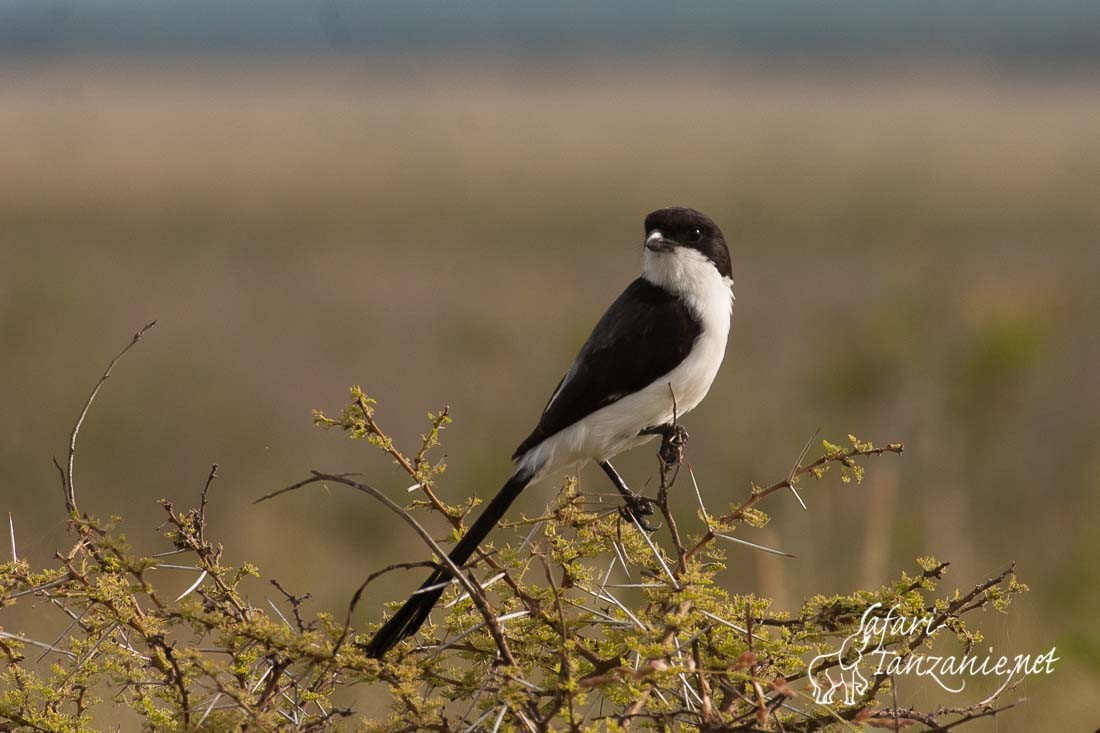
(651, 358)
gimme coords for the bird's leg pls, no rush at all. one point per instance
(673, 440)
(638, 506)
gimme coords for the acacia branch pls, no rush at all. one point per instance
(396, 455)
(67, 476)
(845, 457)
(470, 587)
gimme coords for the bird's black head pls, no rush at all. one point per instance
(679, 226)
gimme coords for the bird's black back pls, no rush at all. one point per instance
(643, 336)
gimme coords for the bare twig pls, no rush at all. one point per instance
(202, 502)
(363, 586)
(67, 476)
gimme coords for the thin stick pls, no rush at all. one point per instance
(202, 502)
(70, 487)
(359, 594)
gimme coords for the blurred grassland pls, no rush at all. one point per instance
(916, 256)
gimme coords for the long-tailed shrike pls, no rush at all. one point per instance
(651, 358)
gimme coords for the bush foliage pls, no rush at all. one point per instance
(535, 636)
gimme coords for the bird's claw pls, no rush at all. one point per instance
(673, 440)
(637, 508)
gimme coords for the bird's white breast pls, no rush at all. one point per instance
(613, 429)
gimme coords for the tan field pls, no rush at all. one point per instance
(916, 256)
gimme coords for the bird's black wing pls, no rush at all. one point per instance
(644, 335)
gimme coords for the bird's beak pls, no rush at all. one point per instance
(656, 242)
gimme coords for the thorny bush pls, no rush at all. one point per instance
(583, 621)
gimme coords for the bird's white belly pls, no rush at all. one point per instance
(614, 428)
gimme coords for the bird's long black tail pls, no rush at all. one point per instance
(409, 618)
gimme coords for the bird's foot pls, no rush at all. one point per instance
(635, 508)
(638, 508)
(673, 439)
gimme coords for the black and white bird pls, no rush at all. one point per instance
(651, 358)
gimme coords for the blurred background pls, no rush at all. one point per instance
(436, 201)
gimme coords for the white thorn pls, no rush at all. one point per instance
(277, 611)
(699, 495)
(656, 552)
(753, 545)
(796, 495)
(210, 707)
(196, 584)
(496, 725)
(483, 586)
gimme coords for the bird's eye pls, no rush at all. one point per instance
(696, 235)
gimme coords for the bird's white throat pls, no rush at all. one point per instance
(689, 274)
